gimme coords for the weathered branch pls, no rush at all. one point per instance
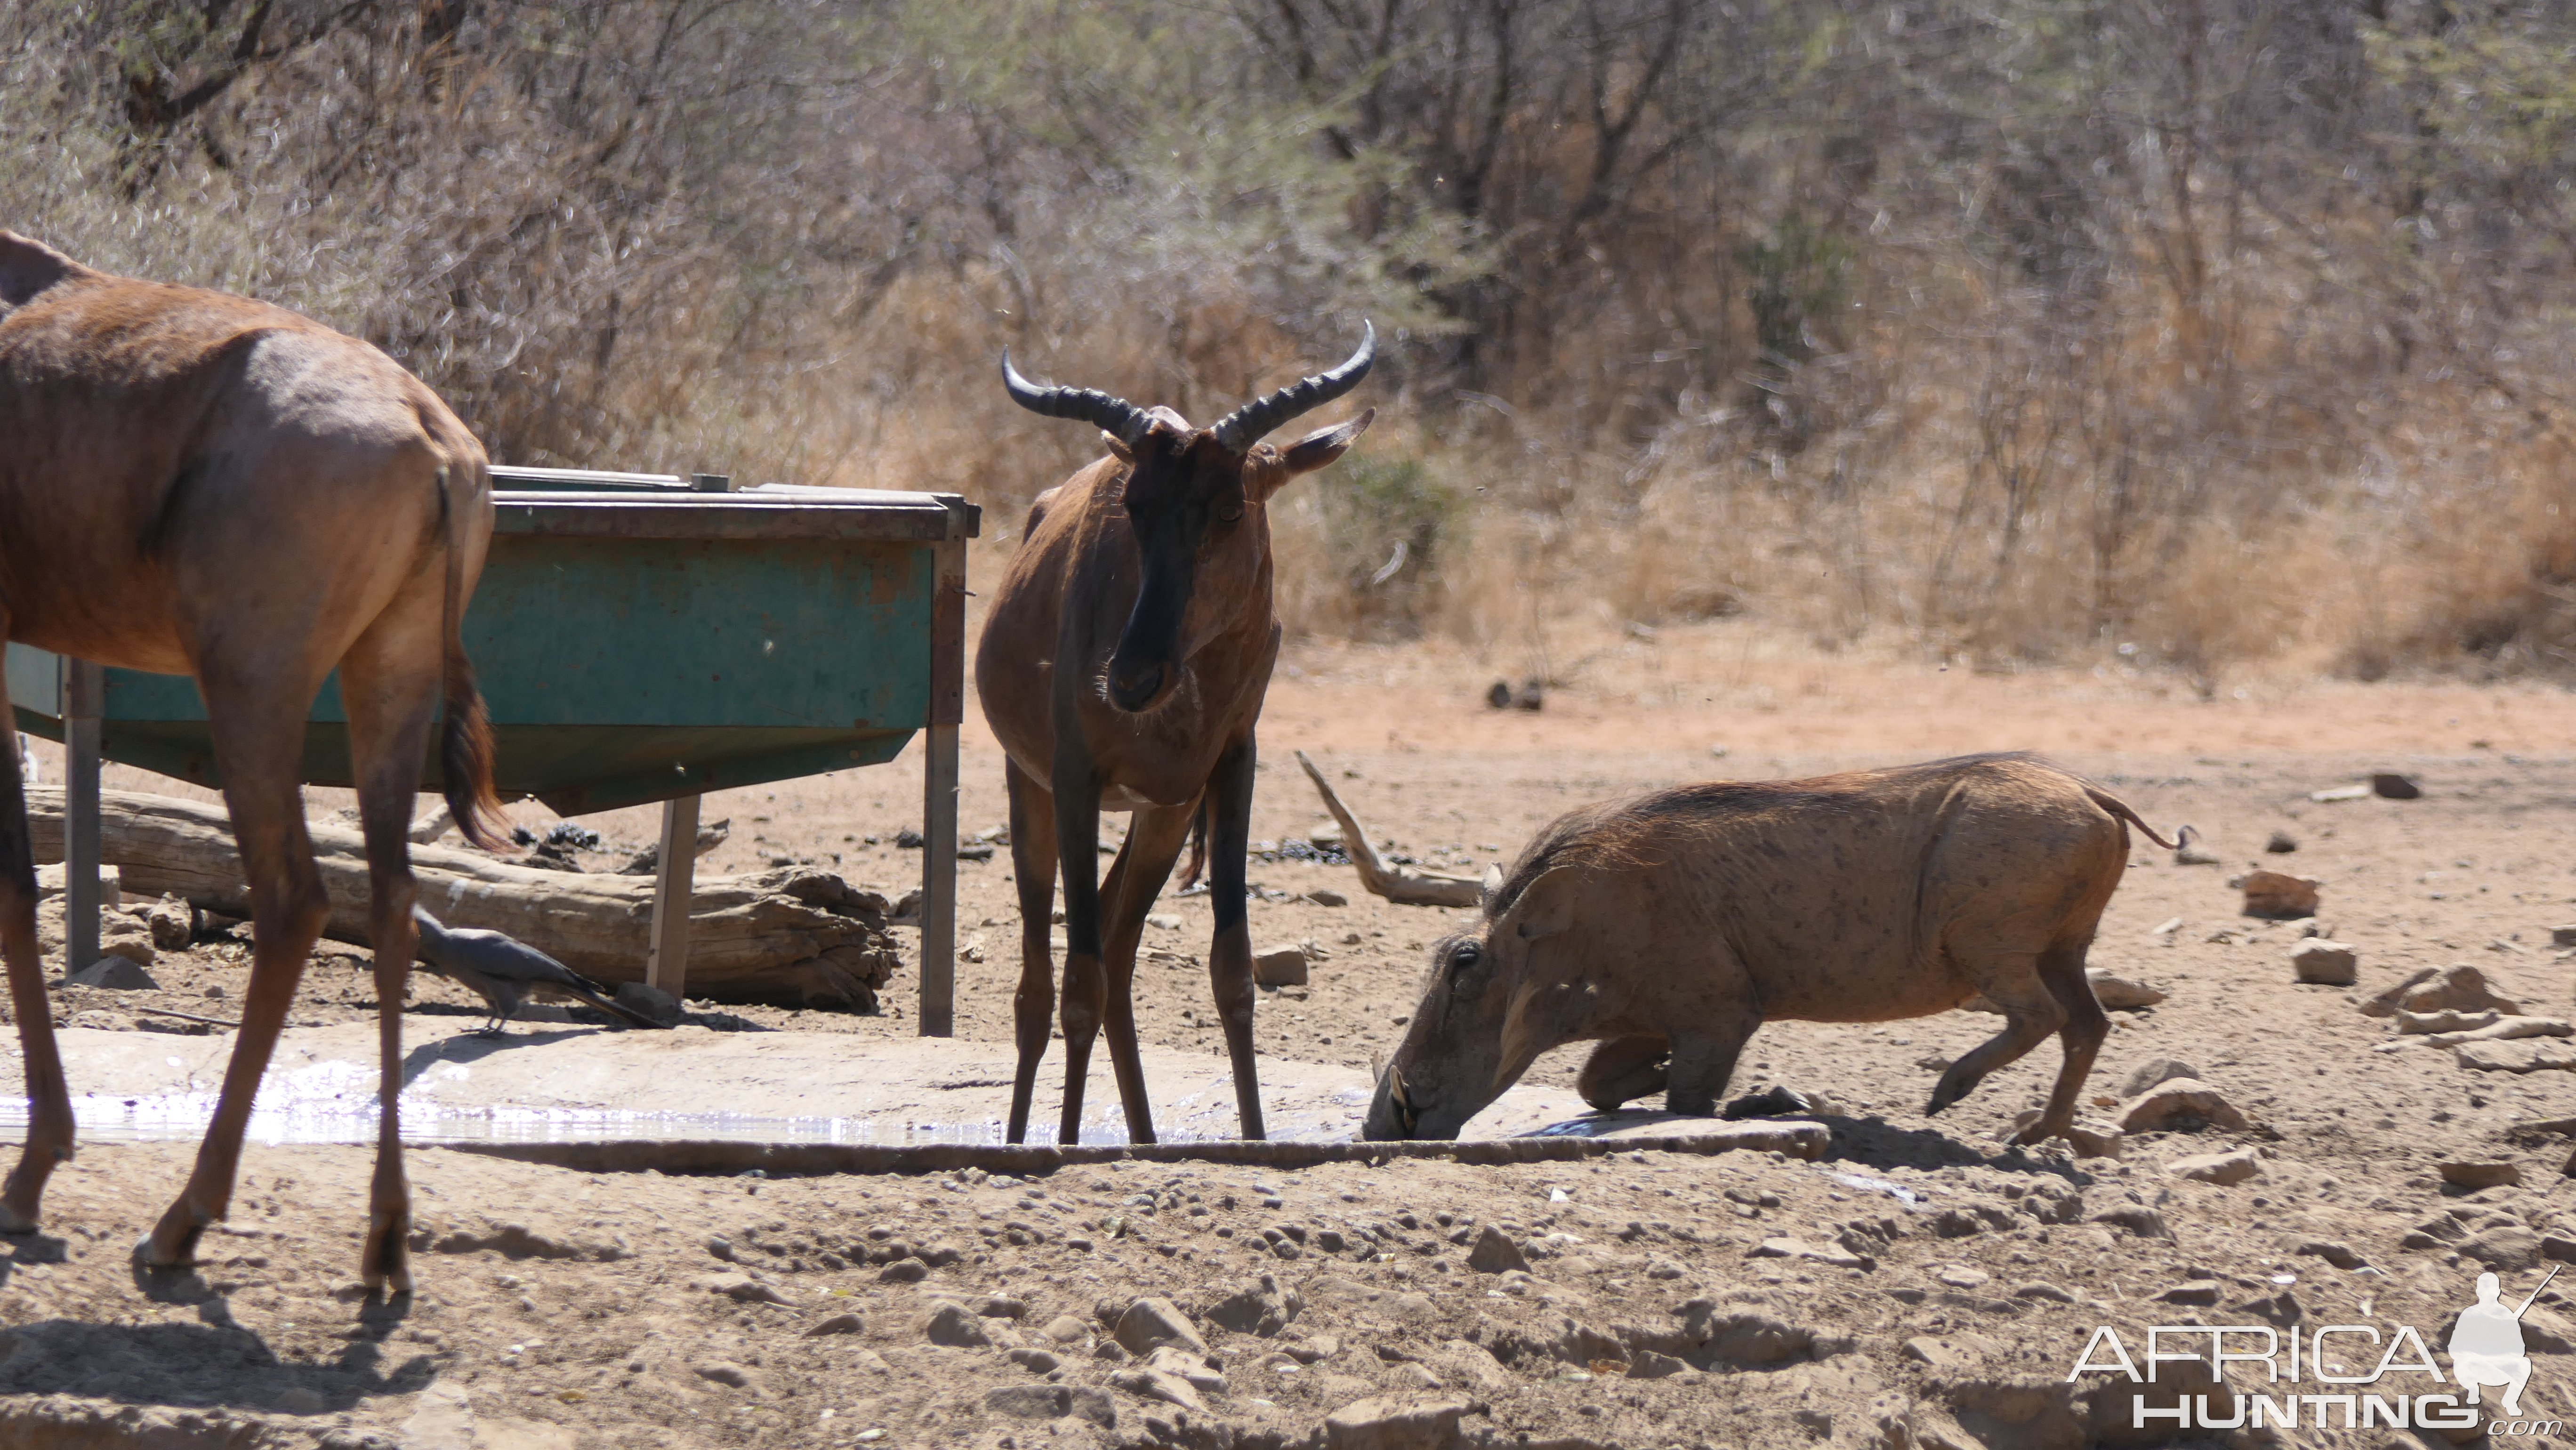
(791, 936)
(1403, 885)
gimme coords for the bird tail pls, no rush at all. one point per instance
(593, 997)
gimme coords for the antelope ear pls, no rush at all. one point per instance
(1546, 906)
(1320, 448)
(1491, 887)
(1117, 446)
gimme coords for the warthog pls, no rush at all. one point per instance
(1667, 928)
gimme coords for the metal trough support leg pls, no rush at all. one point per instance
(84, 700)
(939, 794)
(674, 878)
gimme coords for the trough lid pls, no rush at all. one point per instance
(647, 509)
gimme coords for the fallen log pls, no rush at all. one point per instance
(1403, 885)
(791, 936)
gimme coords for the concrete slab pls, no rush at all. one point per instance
(587, 1084)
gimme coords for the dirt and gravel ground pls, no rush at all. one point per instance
(1942, 1289)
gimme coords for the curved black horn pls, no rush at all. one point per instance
(1112, 415)
(1246, 425)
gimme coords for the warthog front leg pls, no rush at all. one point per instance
(1623, 1069)
(1704, 1061)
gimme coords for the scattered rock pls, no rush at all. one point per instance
(2333, 1252)
(1960, 1276)
(1036, 1361)
(742, 1289)
(2446, 1020)
(1155, 1384)
(2388, 785)
(1326, 896)
(2506, 1246)
(2042, 1289)
(2155, 1070)
(2218, 1168)
(2332, 794)
(720, 1246)
(848, 1323)
(1395, 1422)
(2476, 1175)
(1262, 1306)
(952, 1323)
(1279, 967)
(2279, 895)
(2179, 1105)
(651, 1002)
(2530, 1055)
(1495, 1253)
(904, 1271)
(1065, 1329)
(1150, 1324)
(2122, 994)
(725, 1372)
(2325, 963)
(941, 1255)
(2460, 987)
(1649, 1364)
(119, 973)
(1788, 1248)
(2200, 1292)
(998, 1306)
(1774, 1101)
(2281, 1310)
(2282, 843)
(2562, 936)
(1052, 1402)
(2137, 1218)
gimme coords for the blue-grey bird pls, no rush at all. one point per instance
(505, 970)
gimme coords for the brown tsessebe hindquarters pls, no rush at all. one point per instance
(206, 485)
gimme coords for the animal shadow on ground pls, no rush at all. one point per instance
(33, 1248)
(196, 1365)
(1876, 1143)
(469, 1048)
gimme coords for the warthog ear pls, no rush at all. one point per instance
(1547, 906)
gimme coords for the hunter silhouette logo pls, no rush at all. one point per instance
(2486, 1345)
(2327, 1375)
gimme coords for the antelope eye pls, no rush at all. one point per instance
(1230, 511)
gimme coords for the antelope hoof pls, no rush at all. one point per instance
(16, 1218)
(384, 1267)
(172, 1244)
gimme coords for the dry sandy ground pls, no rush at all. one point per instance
(1959, 1280)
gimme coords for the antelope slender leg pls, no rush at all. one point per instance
(258, 729)
(1077, 847)
(49, 1123)
(1154, 840)
(390, 682)
(1033, 871)
(1230, 957)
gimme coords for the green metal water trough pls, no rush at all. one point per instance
(644, 638)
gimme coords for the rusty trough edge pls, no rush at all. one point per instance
(1797, 1139)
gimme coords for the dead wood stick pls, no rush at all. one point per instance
(1403, 885)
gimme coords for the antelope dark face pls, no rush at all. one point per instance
(1194, 500)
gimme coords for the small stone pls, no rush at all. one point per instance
(1960, 1276)
(2388, 785)
(1327, 896)
(1495, 1253)
(2196, 1292)
(2332, 1251)
(1280, 967)
(1648, 1364)
(1163, 921)
(2042, 1289)
(2476, 1175)
(1036, 1361)
(2282, 843)
(2155, 1070)
(956, 1325)
(2279, 895)
(904, 1271)
(721, 1247)
(2508, 1246)
(1149, 1324)
(997, 1306)
(725, 1372)
(1261, 1307)
(116, 973)
(1395, 1422)
(941, 1255)
(2138, 1219)
(651, 1002)
(1789, 1248)
(2122, 994)
(1065, 1329)
(1155, 1384)
(2562, 936)
(2218, 1168)
(2325, 963)
(849, 1323)
(1030, 1402)
(2182, 1104)
(742, 1289)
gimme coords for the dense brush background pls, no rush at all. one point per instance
(2210, 334)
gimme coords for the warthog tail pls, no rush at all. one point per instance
(2120, 808)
